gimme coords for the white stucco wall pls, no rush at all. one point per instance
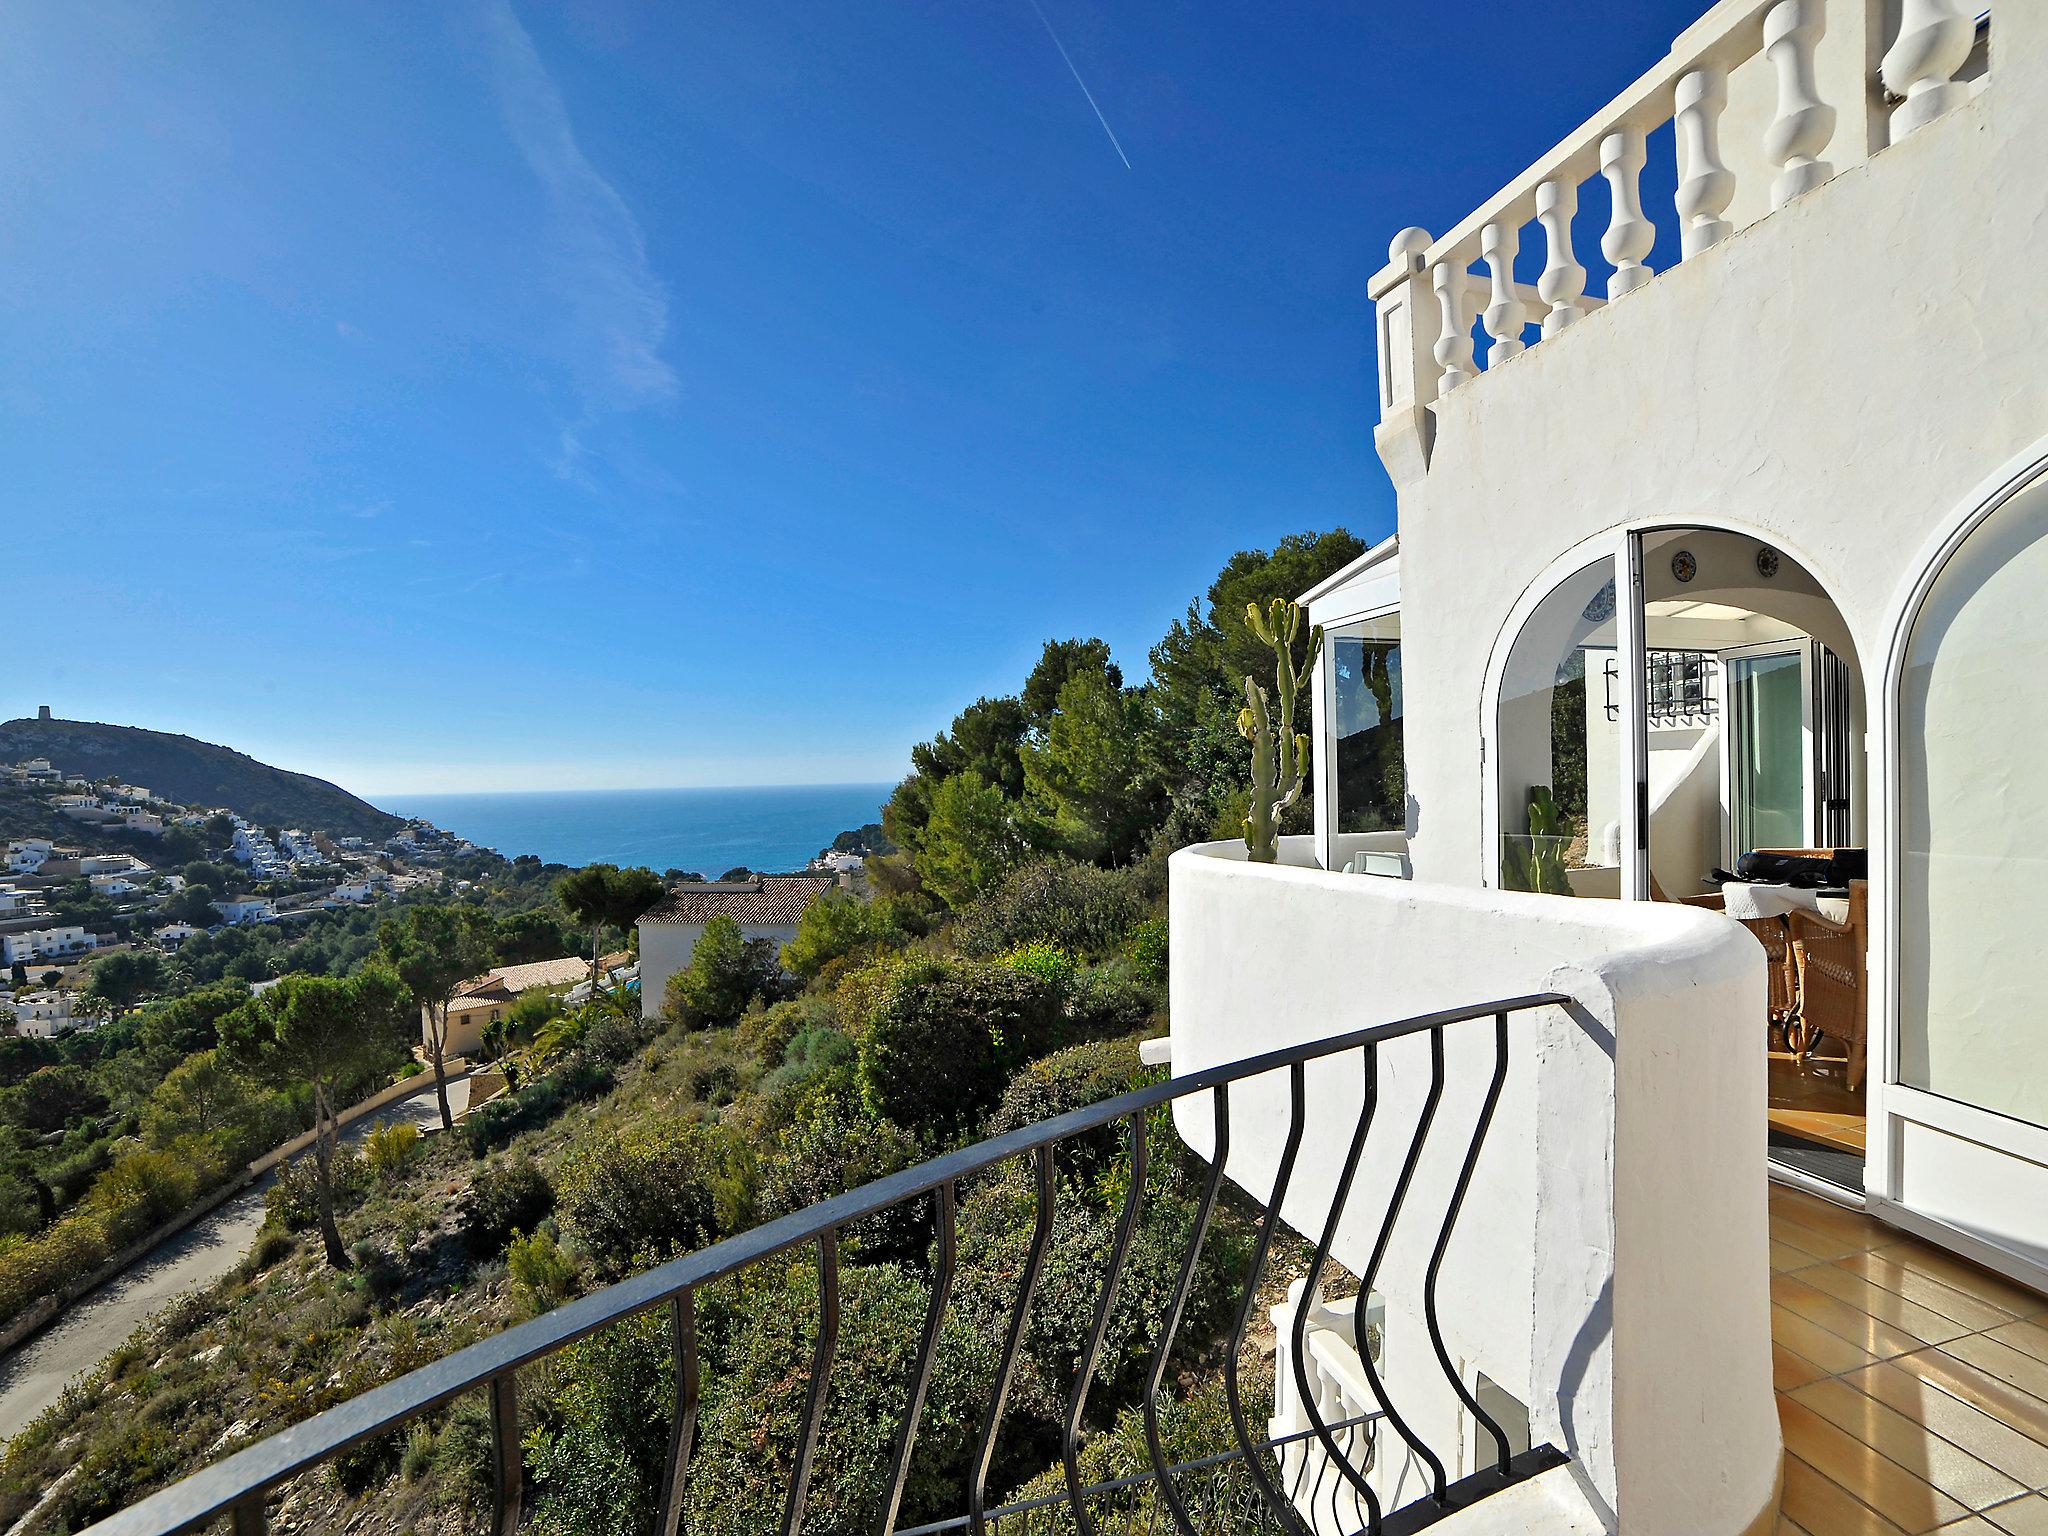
(1610, 1269)
(1834, 377)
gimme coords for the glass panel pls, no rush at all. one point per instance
(1974, 822)
(1365, 724)
(1767, 701)
(1560, 744)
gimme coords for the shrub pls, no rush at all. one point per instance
(758, 1338)
(838, 923)
(936, 1057)
(144, 1188)
(1045, 960)
(1107, 1002)
(377, 1271)
(1073, 1079)
(813, 1056)
(654, 1191)
(830, 1147)
(292, 1202)
(1146, 950)
(391, 1149)
(726, 971)
(543, 1271)
(765, 1035)
(496, 1123)
(1083, 909)
(600, 1436)
(509, 1194)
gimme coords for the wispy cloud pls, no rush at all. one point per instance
(1076, 73)
(596, 252)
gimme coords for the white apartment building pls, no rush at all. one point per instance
(63, 943)
(238, 910)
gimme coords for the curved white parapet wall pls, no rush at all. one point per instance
(1610, 1268)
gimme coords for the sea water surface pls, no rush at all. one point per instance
(707, 831)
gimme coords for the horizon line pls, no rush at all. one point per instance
(641, 789)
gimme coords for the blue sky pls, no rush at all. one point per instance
(503, 395)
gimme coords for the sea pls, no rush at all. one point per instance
(709, 831)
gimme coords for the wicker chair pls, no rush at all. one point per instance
(1829, 958)
(1782, 1000)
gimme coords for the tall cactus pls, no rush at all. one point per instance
(1280, 757)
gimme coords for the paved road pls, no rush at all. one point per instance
(33, 1376)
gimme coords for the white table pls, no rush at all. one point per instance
(1749, 900)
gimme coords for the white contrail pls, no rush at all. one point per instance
(1113, 144)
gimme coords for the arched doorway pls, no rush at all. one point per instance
(1965, 1107)
(1678, 706)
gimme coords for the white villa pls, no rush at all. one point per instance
(59, 943)
(237, 910)
(1647, 1029)
(766, 907)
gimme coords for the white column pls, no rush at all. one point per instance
(1629, 235)
(1500, 242)
(1934, 38)
(1706, 185)
(1804, 124)
(1563, 282)
(1454, 340)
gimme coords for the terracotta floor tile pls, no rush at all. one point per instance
(1901, 1495)
(1825, 1508)
(1971, 1483)
(2011, 1450)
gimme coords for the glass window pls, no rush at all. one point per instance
(1365, 727)
(1973, 866)
(1559, 734)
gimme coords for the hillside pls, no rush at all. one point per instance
(195, 773)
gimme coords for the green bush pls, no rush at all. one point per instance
(543, 1271)
(1084, 910)
(813, 1056)
(1073, 1079)
(392, 1149)
(830, 1147)
(758, 1338)
(600, 1436)
(764, 1035)
(937, 1055)
(291, 1201)
(540, 1101)
(653, 1191)
(1107, 1002)
(1045, 960)
(1146, 949)
(837, 924)
(509, 1194)
(727, 971)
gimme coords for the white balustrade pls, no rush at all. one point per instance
(1804, 124)
(1629, 234)
(1500, 243)
(1563, 282)
(1934, 39)
(1706, 185)
(1454, 340)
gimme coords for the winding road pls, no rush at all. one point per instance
(34, 1376)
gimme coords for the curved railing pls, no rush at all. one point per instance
(239, 1486)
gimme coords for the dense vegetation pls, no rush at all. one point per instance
(1010, 958)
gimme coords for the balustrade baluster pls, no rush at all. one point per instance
(1706, 185)
(1629, 234)
(1935, 36)
(1500, 243)
(1454, 341)
(1563, 282)
(1804, 124)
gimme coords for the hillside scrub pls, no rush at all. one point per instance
(1013, 956)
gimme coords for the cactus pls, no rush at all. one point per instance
(1536, 863)
(1280, 756)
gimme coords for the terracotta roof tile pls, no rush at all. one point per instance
(773, 901)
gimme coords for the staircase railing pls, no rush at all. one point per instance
(1266, 1476)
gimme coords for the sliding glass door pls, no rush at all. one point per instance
(1769, 745)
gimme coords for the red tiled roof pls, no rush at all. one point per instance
(773, 901)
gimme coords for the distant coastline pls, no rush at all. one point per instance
(708, 831)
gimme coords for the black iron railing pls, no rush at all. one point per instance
(238, 1487)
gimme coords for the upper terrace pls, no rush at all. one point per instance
(1758, 103)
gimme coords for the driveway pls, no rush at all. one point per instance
(33, 1376)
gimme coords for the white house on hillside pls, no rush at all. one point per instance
(765, 908)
